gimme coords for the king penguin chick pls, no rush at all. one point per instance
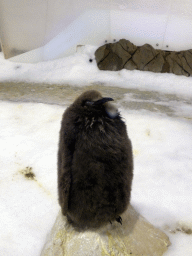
(95, 163)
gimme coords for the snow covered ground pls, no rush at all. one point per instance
(162, 145)
(79, 71)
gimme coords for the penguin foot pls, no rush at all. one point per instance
(119, 219)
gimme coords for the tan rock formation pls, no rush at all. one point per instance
(125, 55)
(135, 237)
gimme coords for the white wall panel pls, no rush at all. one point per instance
(91, 27)
(138, 27)
(56, 27)
(178, 33)
(23, 25)
(140, 21)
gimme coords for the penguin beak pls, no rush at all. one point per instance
(102, 101)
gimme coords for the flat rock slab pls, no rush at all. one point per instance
(135, 237)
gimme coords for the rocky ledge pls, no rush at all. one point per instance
(135, 237)
(125, 55)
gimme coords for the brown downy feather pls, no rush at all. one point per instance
(95, 163)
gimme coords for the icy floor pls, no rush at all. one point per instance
(162, 145)
(161, 192)
(79, 71)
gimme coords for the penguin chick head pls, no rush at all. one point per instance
(92, 101)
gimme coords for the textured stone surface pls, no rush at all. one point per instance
(124, 54)
(135, 237)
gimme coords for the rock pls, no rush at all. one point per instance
(124, 54)
(175, 63)
(130, 65)
(113, 62)
(107, 59)
(135, 237)
(101, 53)
(180, 62)
(148, 59)
(156, 63)
(187, 60)
(114, 56)
(128, 46)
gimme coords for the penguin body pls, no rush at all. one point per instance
(95, 163)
